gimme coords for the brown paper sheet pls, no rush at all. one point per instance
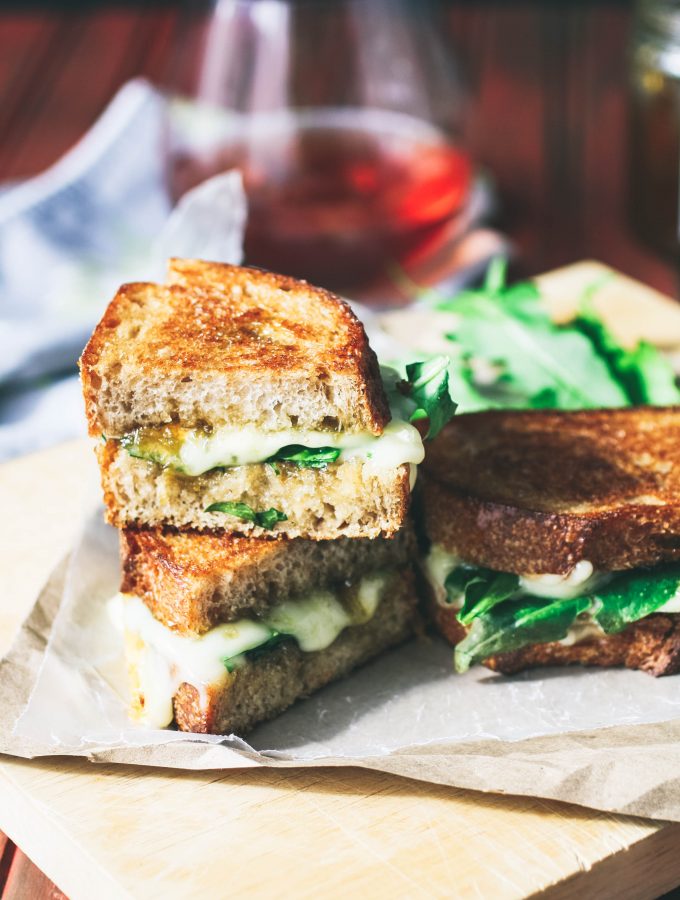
(626, 769)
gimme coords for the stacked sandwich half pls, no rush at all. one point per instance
(260, 480)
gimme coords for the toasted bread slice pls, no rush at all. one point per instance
(346, 499)
(224, 345)
(536, 492)
(267, 683)
(652, 644)
(192, 582)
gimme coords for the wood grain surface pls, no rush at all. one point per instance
(114, 832)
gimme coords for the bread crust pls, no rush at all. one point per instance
(265, 687)
(192, 582)
(347, 499)
(536, 492)
(221, 344)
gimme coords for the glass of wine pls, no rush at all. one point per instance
(345, 119)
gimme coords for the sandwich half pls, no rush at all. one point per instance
(223, 632)
(231, 399)
(554, 538)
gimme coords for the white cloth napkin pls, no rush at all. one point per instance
(68, 237)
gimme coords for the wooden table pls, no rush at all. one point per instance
(549, 122)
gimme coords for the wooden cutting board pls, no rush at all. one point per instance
(114, 832)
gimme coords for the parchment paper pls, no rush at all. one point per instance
(609, 740)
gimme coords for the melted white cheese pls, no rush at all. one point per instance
(672, 605)
(585, 628)
(160, 660)
(437, 566)
(582, 579)
(199, 452)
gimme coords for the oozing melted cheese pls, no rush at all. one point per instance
(581, 580)
(160, 660)
(195, 451)
(199, 452)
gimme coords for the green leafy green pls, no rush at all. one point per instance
(516, 623)
(265, 519)
(507, 352)
(645, 375)
(306, 457)
(501, 620)
(231, 662)
(428, 387)
(483, 589)
(269, 518)
(633, 595)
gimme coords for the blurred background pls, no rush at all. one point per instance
(386, 147)
(548, 116)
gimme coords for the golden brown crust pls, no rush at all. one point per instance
(535, 492)
(267, 685)
(192, 582)
(213, 319)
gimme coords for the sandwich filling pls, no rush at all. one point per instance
(424, 394)
(503, 611)
(160, 660)
(195, 451)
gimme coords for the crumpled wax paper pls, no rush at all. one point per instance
(607, 739)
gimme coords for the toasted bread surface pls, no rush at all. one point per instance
(652, 645)
(269, 684)
(536, 492)
(221, 344)
(192, 582)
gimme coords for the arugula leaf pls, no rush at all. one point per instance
(483, 589)
(306, 457)
(263, 649)
(232, 508)
(501, 623)
(633, 595)
(645, 375)
(269, 518)
(509, 353)
(265, 519)
(231, 663)
(516, 623)
(428, 387)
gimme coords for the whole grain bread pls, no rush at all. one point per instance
(266, 685)
(652, 644)
(221, 344)
(346, 499)
(192, 582)
(536, 492)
